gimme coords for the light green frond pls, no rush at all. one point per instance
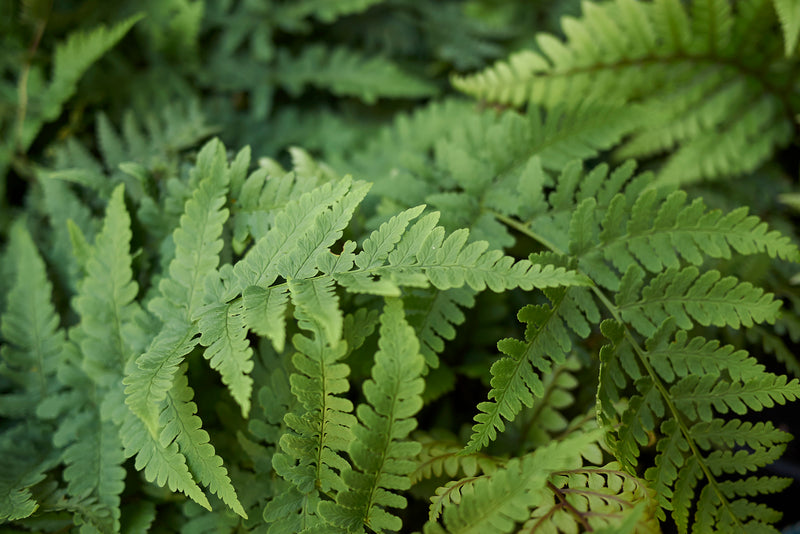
(162, 464)
(265, 313)
(696, 395)
(105, 300)
(517, 376)
(180, 424)
(29, 325)
(320, 428)
(495, 503)
(689, 297)
(381, 453)
(224, 333)
(598, 497)
(690, 69)
(197, 247)
(316, 299)
(789, 15)
(70, 61)
(259, 267)
(347, 72)
(683, 356)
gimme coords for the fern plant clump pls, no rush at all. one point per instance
(324, 267)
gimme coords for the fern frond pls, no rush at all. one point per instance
(689, 297)
(347, 72)
(181, 425)
(434, 314)
(381, 454)
(445, 457)
(224, 334)
(93, 456)
(197, 247)
(321, 429)
(25, 457)
(593, 497)
(692, 70)
(163, 464)
(696, 395)
(516, 377)
(494, 503)
(29, 328)
(70, 61)
(789, 14)
(684, 356)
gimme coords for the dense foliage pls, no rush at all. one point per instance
(389, 265)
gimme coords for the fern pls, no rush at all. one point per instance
(495, 503)
(688, 69)
(71, 59)
(394, 396)
(347, 73)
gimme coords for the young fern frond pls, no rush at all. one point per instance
(381, 454)
(700, 79)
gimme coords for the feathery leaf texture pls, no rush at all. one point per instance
(197, 247)
(381, 454)
(695, 73)
(494, 503)
(71, 60)
(29, 326)
(156, 392)
(347, 72)
(517, 376)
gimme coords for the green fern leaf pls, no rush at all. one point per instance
(162, 464)
(25, 458)
(380, 451)
(181, 425)
(265, 313)
(696, 395)
(789, 15)
(197, 247)
(688, 70)
(434, 314)
(688, 296)
(310, 456)
(346, 72)
(516, 377)
(29, 326)
(224, 334)
(71, 60)
(106, 297)
(495, 503)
